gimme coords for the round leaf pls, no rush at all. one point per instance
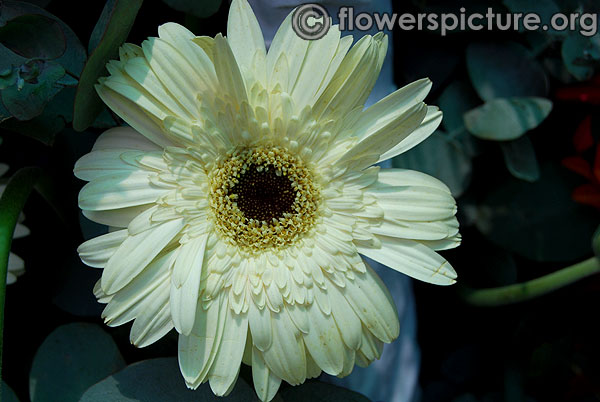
(44, 127)
(87, 103)
(457, 98)
(580, 54)
(34, 36)
(520, 159)
(503, 70)
(70, 360)
(316, 391)
(7, 394)
(544, 8)
(29, 101)
(538, 220)
(158, 380)
(507, 119)
(72, 59)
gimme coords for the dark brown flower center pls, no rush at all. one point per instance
(264, 193)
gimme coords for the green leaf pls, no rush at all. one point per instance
(580, 55)
(7, 394)
(70, 360)
(596, 242)
(503, 70)
(101, 25)
(72, 59)
(538, 220)
(507, 119)
(29, 102)
(544, 8)
(34, 36)
(12, 201)
(158, 380)
(451, 164)
(8, 78)
(457, 98)
(52, 121)
(316, 391)
(520, 159)
(87, 103)
(201, 9)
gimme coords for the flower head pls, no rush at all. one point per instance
(244, 194)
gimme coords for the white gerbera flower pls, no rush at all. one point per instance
(16, 265)
(244, 194)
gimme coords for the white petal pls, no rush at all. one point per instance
(432, 230)
(185, 283)
(324, 342)
(387, 137)
(177, 74)
(123, 138)
(198, 350)
(287, 42)
(119, 218)
(265, 382)
(286, 357)
(259, 321)
(10, 278)
(444, 244)
(183, 40)
(228, 72)
(20, 231)
(225, 369)
(135, 253)
(316, 67)
(370, 348)
(406, 177)
(390, 108)
(154, 320)
(119, 190)
(97, 251)
(413, 203)
(413, 259)
(129, 302)
(372, 303)
(353, 81)
(429, 124)
(347, 321)
(137, 118)
(16, 265)
(245, 37)
(102, 163)
(139, 70)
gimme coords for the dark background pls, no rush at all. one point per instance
(540, 350)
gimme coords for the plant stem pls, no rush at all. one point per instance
(537, 287)
(11, 203)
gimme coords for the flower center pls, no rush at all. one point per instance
(263, 198)
(263, 193)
